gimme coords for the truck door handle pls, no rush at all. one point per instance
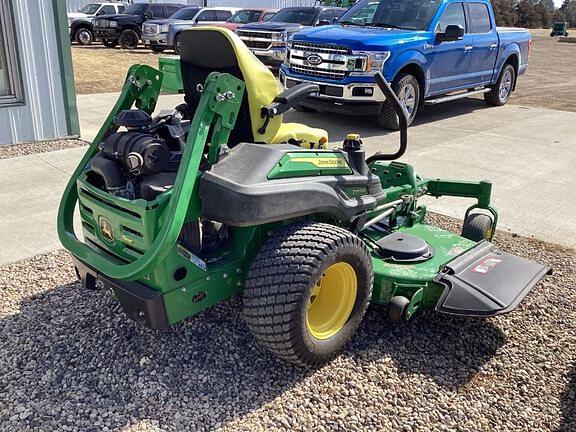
(468, 48)
(493, 46)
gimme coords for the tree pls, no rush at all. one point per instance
(568, 10)
(504, 12)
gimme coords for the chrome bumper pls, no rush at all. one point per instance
(338, 91)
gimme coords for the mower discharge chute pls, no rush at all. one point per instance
(181, 214)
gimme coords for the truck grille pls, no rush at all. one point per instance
(256, 40)
(333, 64)
(150, 29)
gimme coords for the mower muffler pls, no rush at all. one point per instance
(486, 282)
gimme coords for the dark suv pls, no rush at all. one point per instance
(125, 28)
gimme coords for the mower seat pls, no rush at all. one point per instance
(212, 49)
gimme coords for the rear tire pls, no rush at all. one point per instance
(501, 91)
(307, 291)
(84, 36)
(407, 89)
(129, 39)
(477, 227)
(108, 43)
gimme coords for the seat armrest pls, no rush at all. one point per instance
(288, 99)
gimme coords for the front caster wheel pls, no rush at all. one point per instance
(477, 226)
(307, 291)
(397, 308)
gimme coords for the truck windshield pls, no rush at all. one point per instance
(402, 14)
(245, 17)
(136, 9)
(90, 9)
(185, 14)
(302, 16)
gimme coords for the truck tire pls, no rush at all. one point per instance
(501, 91)
(178, 44)
(129, 39)
(109, 43)
(84, 36)
(407, 89)
(307, 291)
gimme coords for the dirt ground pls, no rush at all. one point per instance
(549, 83)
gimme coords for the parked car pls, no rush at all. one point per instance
(268, 39)
(431, 52)
(165, 34)
(248, 16)
(80, 23)
(125, 29)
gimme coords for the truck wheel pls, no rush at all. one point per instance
(408, 90)
(307, 291)
(477, 227)
(109, 43)
(129, 39)
(84, 36)
(501, 91)
(178, 44)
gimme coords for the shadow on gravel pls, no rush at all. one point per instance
(70, 357)
(568, 403)
(449, 350)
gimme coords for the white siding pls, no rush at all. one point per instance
(42, 115)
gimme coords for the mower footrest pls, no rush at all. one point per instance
(486, 282)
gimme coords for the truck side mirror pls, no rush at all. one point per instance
(148, 15)
(323, 22)
(452, 33)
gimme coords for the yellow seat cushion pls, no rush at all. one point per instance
(262, 87)
(302, 135)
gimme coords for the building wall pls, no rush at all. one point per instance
(74, 5)
(43, 113)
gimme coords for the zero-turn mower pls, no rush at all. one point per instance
(181, 211)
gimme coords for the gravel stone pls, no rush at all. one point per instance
(15, 150)
(70, 360)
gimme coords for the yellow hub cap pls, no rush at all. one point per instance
(332, 300)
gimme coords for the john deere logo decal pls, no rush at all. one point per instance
(106, 229)
(314, 59)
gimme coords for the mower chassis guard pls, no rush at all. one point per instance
(486, 282)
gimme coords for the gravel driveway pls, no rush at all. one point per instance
(70, 360)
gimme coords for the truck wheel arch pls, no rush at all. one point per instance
(417, 72)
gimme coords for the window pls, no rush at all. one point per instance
(156, 11)
(223, 15)
(326, 15)
(410, 15)
(171, 10)
(185, 14)
(268, 15)
(479, 18)
(305, 16)
(10, 90)
(207, 16)
(338, 12)
(107, 10)
(452, 15)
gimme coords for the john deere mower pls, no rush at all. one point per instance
(219, 198)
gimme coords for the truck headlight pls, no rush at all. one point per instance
(367, 62)
(280, 36)
(112, 23)
(165, 28)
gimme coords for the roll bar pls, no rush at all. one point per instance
(402, 121)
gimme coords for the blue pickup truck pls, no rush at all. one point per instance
(432, 51)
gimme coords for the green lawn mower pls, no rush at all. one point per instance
(182, 211)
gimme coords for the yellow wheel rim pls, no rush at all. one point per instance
(332, 300)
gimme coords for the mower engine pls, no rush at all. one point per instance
(142, 160)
